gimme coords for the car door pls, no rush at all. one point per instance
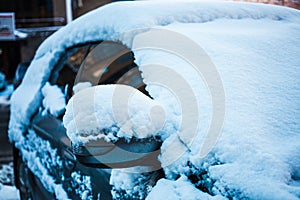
(46, 137)
(110, 63)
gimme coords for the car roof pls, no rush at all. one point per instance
(103, 24)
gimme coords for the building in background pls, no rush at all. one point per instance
(288, 3)
(35, 20)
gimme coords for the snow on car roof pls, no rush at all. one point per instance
(102, 24)
(254, 49)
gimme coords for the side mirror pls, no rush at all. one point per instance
(114, 126)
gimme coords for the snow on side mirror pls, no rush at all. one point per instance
(114, 126)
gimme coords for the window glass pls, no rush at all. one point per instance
(133, 78)
(69, 66)
(104, 63)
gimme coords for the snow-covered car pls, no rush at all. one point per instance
(135, 100)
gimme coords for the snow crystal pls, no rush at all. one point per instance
(27, 97)
(43, 161)
(262, 111)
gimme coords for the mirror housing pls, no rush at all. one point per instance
(121, 154)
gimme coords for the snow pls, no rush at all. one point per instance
(132, 183)
(54, 100)
(82, 185)
(255, 52)
(28, 95)
(111, 112)
(81, 86)
(43, 161)
(20, 34)
(8, 192)
(179, 189)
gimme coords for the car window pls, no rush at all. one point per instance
(68, 67)
(133, 78)
(98, 63)
(105, 63)
(110, 63)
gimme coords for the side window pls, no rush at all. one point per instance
(58, 89)
(103, 63)
(133, 78)
(110, 63)
(70, 65)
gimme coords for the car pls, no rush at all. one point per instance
(139, 100)
(75, 165)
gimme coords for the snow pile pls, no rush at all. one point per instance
(81, 86)
(8, 192)
(28, 97)
(112, 112)
(54, 100)
(130, 184)
(254, 156)
(2, 81)
(43, 161)
(179, 189)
